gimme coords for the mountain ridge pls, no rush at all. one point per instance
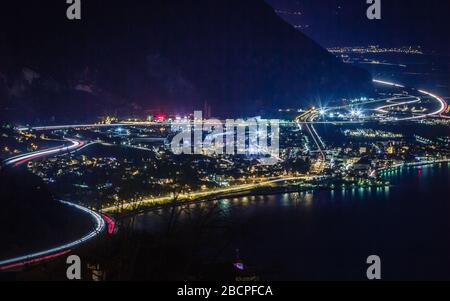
(167, 55)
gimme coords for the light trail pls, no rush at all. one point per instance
(309, 118)
(30, 261)
(382, 82)
(441, 101)
(443, 106)
(382, 109)
(315, 141)
(312, 115)
(438, 113)
(387, 83)
(122, 124)
(19, 160)
(318, 137)
(83, 147)
(367, 102)
(70, 126)
(100, 221)
(61, 250)
(110, 222)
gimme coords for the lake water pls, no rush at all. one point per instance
(328, 235)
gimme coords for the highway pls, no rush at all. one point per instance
(382, 109)
(438, 113)
(443, 106)
(120, 124)
(102, 222)
(21, 159)
(309, 118)
(442, 103)
(306, 118)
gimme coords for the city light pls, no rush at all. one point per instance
(322, 111)
(223, 141)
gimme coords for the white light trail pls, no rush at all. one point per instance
(99, 228)
(382, 109)
(22, 158)
(387, 83)
(442, 102)
(100, 224)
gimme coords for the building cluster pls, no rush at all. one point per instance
(377, 49)
(371, 133)
(125, 167)
(135, 161)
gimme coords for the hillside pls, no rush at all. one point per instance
(172, 55)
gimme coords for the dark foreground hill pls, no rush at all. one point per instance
(31, 220)
(132, 56)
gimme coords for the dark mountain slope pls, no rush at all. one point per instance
(128, 56)
(31, 220)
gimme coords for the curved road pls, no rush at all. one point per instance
(310, 116)
(102, 222)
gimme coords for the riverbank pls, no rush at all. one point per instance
(259, 191)
(265, 191)
(327, 234)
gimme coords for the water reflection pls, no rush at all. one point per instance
(404, 182)
(303, 232)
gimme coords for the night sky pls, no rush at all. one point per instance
(344, 22)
